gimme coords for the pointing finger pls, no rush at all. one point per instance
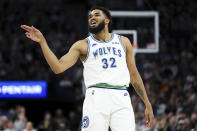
(27, 28)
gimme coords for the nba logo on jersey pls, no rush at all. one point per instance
(94, 44)
(115, 42)
(85, 122)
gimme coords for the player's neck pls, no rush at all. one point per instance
(104, 35)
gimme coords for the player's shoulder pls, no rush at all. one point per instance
(80, 43)
(124, 39)
(81, 46)
(126, 42)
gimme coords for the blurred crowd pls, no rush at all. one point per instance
(169, 76)
(15, 119)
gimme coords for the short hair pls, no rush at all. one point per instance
(106, 13)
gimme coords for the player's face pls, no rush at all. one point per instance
(96, 21)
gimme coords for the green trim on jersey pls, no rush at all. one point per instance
(109, 86)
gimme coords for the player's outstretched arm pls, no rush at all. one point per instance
(57, 65)
(137, 83)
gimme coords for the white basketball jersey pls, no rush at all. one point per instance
(106, 62)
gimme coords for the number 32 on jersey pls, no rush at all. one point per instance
(109, 63)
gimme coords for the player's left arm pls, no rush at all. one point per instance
(137, 82)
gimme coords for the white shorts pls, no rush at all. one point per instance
(107, 107)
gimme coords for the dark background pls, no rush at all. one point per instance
(169, 76)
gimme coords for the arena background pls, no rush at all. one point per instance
(169, 75)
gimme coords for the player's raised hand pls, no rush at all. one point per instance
(149, 117)
(33, 33)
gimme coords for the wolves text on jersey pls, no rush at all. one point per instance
(106, 50)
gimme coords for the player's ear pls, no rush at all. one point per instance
(107, 21)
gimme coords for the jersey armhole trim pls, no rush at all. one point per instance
(87, 51)
(121, 43)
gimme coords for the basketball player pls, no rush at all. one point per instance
(109, 67)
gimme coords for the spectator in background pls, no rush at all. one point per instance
(73, 121)
(161, 124)
(19, 124)
(3, 122)
(47, 123)
(20, 110)
(63, 127)
(194, 129)
(10, 126)
(1, 125)
(187, 124)
(181, 125)
(176, 57)
(29, 127)
(193, 120)
(172, 123)
(59, 121)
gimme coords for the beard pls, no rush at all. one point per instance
(97, 29)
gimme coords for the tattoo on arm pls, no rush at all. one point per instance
(139, 90)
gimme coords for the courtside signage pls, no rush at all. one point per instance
(23, 89)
